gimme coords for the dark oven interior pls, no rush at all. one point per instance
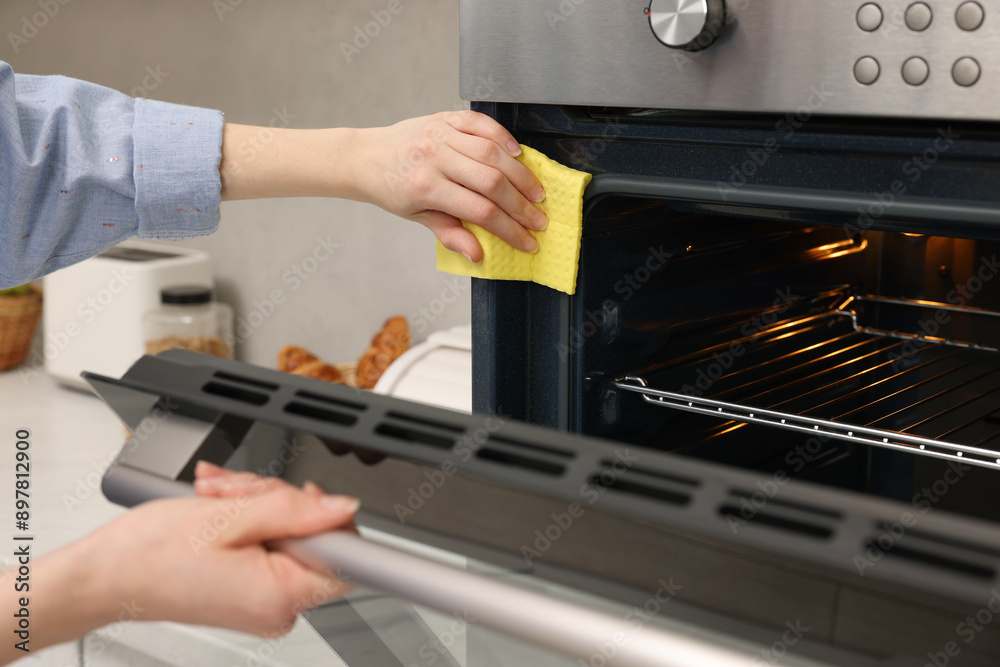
(815, 298)
(827, 321)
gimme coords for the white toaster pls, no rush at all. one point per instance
(92, 313)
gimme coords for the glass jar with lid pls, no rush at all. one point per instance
(188, 318)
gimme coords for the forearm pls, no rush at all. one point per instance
(259, 162)
(66, 595)
(84, 167)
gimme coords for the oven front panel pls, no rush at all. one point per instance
(774, 56)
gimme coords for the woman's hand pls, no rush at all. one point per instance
(455, 165)
(435, 170)
(197, 560)
(205, 560)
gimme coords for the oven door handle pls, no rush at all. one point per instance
(588, 634)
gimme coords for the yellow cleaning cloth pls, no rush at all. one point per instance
(555, 264)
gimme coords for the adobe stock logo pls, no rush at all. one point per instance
(38, 20)
(363, 36)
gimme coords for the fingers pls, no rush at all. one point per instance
(498, 177)
(315, 588)
(290, 512)
(301, 588)
(508, 188)
(471, 122)
(283, 588)
(205, 469)
(215, 482)
(477, 209)
(452, 234)
(486, 152)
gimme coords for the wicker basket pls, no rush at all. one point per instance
(18, 319)
(349, 373)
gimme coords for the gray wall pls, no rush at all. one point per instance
(260, 57)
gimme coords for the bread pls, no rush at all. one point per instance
(386, 346)
(292, 357)
(300, 361)
(320, 370)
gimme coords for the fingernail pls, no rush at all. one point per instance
(340, 504)
(466, 255)
(539, 196)
(212, 484)
(531, 245)
(205, 466)
(541, 220)
(514, 148)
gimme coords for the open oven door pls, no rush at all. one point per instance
(220, 410)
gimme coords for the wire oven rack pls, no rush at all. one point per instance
(835, 375)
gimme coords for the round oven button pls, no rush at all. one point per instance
(970, 16)
(966, 71)
(918, 16)
(691, 25)
(869, 17)
(915, 71)
(866, 70)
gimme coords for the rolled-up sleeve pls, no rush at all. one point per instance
(84, 167)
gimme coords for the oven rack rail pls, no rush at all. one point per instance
(853, 375)
(788, 421)
(927, 309)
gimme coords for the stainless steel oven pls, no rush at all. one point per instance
(788, 265)
(765, 426)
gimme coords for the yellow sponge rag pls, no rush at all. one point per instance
(555, 264)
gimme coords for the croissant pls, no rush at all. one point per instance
(320, 370)
(386, 346)
(292, 356)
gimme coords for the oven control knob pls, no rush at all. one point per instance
(691, 25)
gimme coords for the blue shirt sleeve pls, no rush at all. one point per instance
(84, 167)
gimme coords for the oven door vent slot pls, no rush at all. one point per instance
(636, 489)
(650, 485)
(321, 414)
(759, 508)
(926, 557)
(235, 393)
(511, 458)
(619, 467)
(788, 421)
(239, 379)
(415, 436)
(423, 421)
(737, 515)
(419, 430)
(963, 556)
(751, 497)
(330, 400)
(548, 450)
